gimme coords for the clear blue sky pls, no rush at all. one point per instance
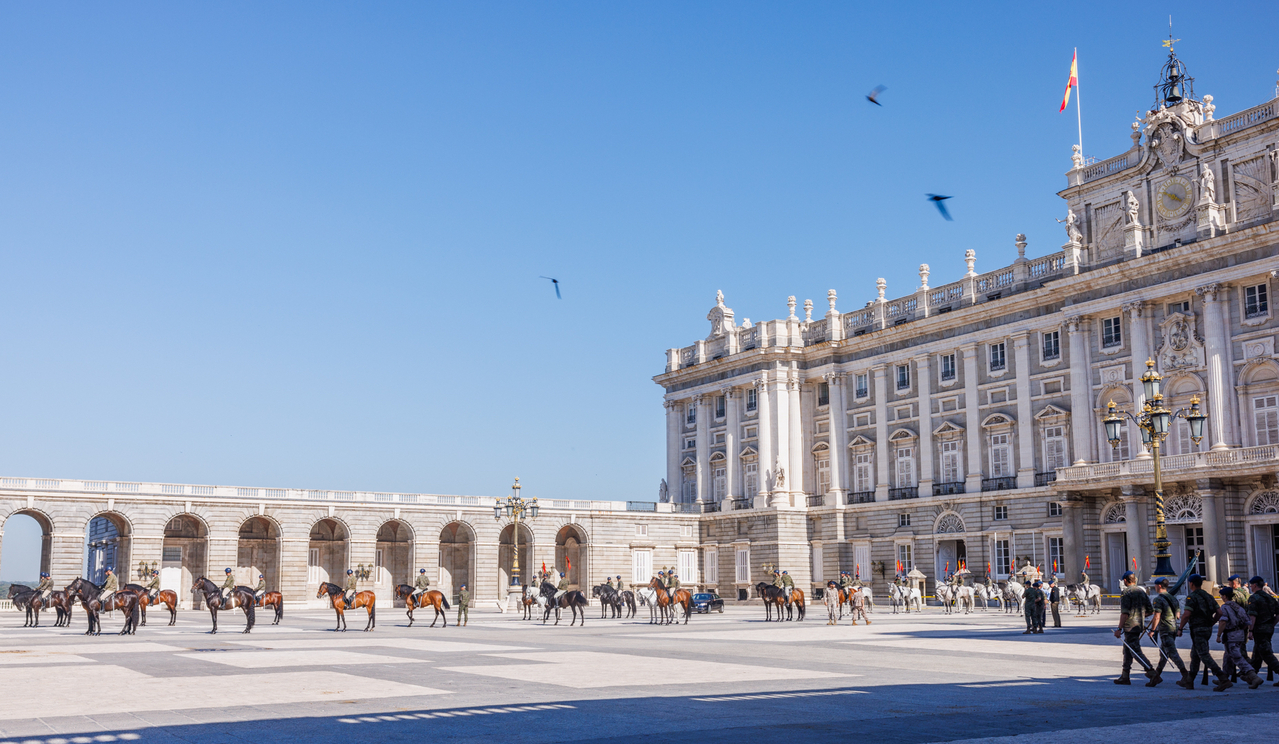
(298, 244)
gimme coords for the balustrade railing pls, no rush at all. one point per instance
(641, 506)
(817, 499)
(1003, 483)
(898, 494)
(948, 489)
(1043, 479)
(711, 507)
(1267, 454)
(1106, 167)
(742, 503)
(861, 497)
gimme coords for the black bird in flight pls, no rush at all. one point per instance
(937, 202)
(874, 95)
(556, 282)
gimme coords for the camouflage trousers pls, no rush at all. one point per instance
(1132, 645)
(1199, 651)
(1236, 659)
(1263, 651)
(859, 612)
(1168, 647)
(463, 614)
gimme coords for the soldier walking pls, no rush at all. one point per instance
(1134, 605)
(1201, 612)
(1163, 621)
(1232, 630)
(1263, 608)
(463, 606)
(859, 606)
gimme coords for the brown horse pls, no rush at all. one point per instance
(274, 600)
(162, 597)
(796, 600)
(666, 601)
(241, 596)
(88, 595)
(428, 598)
(27, 599)
(337, 596)
(773, 597)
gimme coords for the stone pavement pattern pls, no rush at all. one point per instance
(905, 678)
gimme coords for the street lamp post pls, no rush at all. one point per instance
(1154, 421)
(517, 510)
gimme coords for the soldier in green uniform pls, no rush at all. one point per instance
(1201, 613)
(672, 582)
(109, 587)
(1033, 600)
(45, 587)
(463, 606)
(1263, 608)
(259, 591)
(563, 587)
(1083, 578)
(1163, 621)
(1134, 605)
(352, 586)
(620, 586)
(228, 587)
(1232, 631)
(421, 586)
(788, 586)
(609, 584)
(153, 586)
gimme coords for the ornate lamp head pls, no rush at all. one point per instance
(1196, 420)
(1152, 380)
(1112, 422)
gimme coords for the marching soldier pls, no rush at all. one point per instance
(464, 606)
(45, 588)
(259, 591)
(421, 586)
(1233, 631)
(1164, 622)
(352, 586)
(1200, 612)
(153, 586)
(1263, 608)
(1133, 606)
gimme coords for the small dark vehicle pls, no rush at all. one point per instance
(705, 602)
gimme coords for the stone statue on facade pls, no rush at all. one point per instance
(663, 494)
(1208, 186)
(1077, 156)
(780, 483)
(1132, 209)
(1072, 227)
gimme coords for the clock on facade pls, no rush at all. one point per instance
(1173, 198)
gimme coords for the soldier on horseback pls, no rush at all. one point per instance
(259, 591)
(153, 586)
(228, 584)
(609, 584)
(561, 588)
(45, 588)
(672, 582)
(619, 584)
(788, 586)
(109, 587)
(421, 586)
(352, 586)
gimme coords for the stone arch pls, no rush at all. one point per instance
(45, 523)
(571, 557)
(108, 541)
(393, 562)
(328, 552)
(948, 522)
(1183, 508)
(506, 554)
(950, 543)
(1263, 502)
(457, 557)
(1116, 392)
(184, 556)
(1259, 370)
(1183, 383)
(259, 549)
(1114, 513)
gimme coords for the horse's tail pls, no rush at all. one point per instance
(136, 614)
(445, 600)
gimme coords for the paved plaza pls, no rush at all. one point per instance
(905, 678)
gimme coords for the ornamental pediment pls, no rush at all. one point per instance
(1051, 412)
(1180, 346)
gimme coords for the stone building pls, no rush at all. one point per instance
(960, 424)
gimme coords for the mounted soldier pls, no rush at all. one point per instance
(228, 586)
(352, 586)
(672, 582)
(153, 586)
(45, 588)
(788, 586)
(609, 584)
(421, 586)
(562, 587)
(620, 587)
(109, 587)
(844, 581)
(259, 591)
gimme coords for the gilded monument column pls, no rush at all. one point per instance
(1080, 390)
(703, 445)
(972, 419)
(880, 374)
(1025, 416)
(733, 469)
(924, 381)
(1219, 426)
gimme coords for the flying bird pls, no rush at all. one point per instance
(556, 282)
(937, 202)
(874, 95)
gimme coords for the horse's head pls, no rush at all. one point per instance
(324, 587)
(548, 589)
(595, 591)
(402, 591)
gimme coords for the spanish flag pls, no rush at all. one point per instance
(1087, 563)
(1072, 83)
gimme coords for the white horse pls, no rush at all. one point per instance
(965, 596)
(1085, 596)
(1013, 593)
(946, 595)
(648, 596)
(984, 595)
(905, 596)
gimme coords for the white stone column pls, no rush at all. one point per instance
(1210, 491)
(880, 392)
(674, 443)
(764, 405)
(733, 471)
(1080, 389)
(1140, 349)
(703, 445)
(1025, 416)
(972, 420)
(1135, 525)
(1214, 346)
(924, 383)
(838, 434)
(798, 453)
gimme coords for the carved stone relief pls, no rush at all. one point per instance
(1116, 514)
(1266, 502)
(1185, 507)
(949, 523)
(1168, 144)
(1259, 347)
(1252, 188)
(1180, 347)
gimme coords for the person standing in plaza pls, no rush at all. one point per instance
(1033, 609)
(1263, 608)
(1134, 605)
(1163, 621)
(859, 606)
(1232, 631)
(831, 597)
(1054, 597)
(1201, 612)
(463, 606)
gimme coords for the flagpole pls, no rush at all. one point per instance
(1079, 116)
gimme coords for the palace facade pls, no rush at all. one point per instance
(960, 424)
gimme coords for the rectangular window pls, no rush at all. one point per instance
(1055, 560)
(862, 386)
(1255, 301)
(903, 520)
(752, 399)
(377, 567)
(1122, 451)
(313, 566)
(1001, 513)
(641, 567)
(719, 437)
(721, 406)
(948, 367)
(1001, 456)
(823, 476)
(823, 394)
(903, 376)
(172, 554)
(1003, 558)
(950, 472)
(720, 474)
(1179, 307)
(712, 566)
(690, 444)
(823, 427)
(998, 358)
(1054, 509)
(905, 467)
(743, 566)
(688, 566)
(904, 557)
(1052, 345)
(751, 479)
(752, 432)
(1054, 448)
(686, 530)
(1265, 417)
(1184, 444)
(863, 479)
(950, 404)
(1111, 335)
(641, 530)
(690, 417)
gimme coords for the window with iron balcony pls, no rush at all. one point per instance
(903, 376)
(1111, 333)
(1256, 301)
(998, 359)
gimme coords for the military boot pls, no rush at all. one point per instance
(1254, 680)
(1155, 680)
(1123, 679)
(1223, 684)
(1187, 680)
